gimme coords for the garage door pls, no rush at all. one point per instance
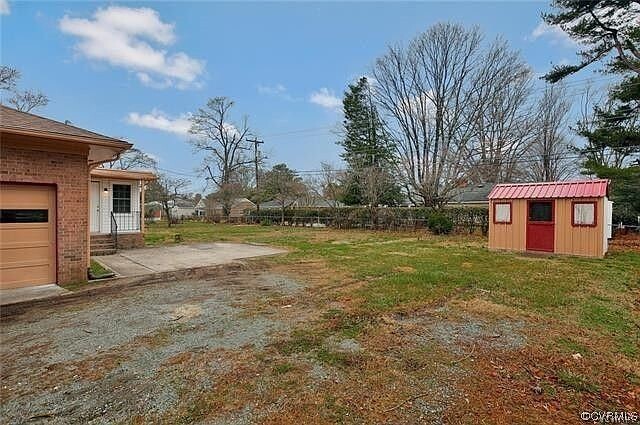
(27, 235)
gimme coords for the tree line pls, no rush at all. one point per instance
(447, 109)
(450, 109)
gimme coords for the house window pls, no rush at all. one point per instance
(122, 198)
(502, 212)
(584, 214)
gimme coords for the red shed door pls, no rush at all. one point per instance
(540, 226)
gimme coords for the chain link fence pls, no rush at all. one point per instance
(468, 220)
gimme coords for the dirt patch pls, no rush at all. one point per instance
(554, 388)
(108, 359)
(460, 333)
(485, 308)
(628, 242)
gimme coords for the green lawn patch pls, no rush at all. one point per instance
(413, 270)
(282, 368)
(98, 270)
(576, 382)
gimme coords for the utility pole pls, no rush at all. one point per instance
(256, 142)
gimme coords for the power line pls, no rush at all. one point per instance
(179, 173)
(305, 130)
(529, 159)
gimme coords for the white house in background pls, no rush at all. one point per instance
(115, 199)
(200, 208)
(180, 209)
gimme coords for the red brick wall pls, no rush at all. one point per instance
(69, 173)
(130, 240)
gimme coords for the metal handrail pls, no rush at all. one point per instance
(114, 230)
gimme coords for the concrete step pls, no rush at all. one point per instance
(105, 251)
(103, 242)
(101, 238)
(101, 247)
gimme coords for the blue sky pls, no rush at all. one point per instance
(136, 69)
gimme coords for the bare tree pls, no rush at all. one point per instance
(423, 92)
(8, 77)
(327, 184)
(133, 159)
(166, 190)
(28, 100)
(24, 101)
(224, 145)
(374, 184)
(282, 185)
(550, 153)
(500, 115)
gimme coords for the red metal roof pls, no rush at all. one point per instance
(547, 190)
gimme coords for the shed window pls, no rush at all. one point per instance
(502, 212)
(122, 198)
(584, 214)
(541, 211)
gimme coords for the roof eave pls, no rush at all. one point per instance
(123, 174)
(118, 144)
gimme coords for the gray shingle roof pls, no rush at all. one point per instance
(13, 119)
(472, 194)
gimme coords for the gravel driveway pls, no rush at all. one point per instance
(109, 359)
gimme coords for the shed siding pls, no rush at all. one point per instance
(586, 241)
(509, 236)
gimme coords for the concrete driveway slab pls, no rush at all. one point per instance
(137, 262)
(10, 296)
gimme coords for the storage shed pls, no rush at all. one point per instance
(573, 217)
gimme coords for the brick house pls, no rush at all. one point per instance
(46, 169)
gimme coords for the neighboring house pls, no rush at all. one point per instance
(179, 209)
(304, 202)
(200, 208)
(153, 211)
(115, 200)
(471, 196)
(239, 207)
(45, 187)
(182, 208)
(552, 217)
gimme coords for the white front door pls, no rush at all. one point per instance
(95, 207)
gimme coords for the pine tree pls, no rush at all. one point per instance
(365, 146)
(610, 33)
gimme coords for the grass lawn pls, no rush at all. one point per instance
(579, 318)
(98, 269)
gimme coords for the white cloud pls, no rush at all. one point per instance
(4, 7)
(123, 37)
(554, 34)
(325, 98)
(158, 120)
(277, 89)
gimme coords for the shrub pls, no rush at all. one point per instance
(439, 223)
(265, 222)
(463, 219)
